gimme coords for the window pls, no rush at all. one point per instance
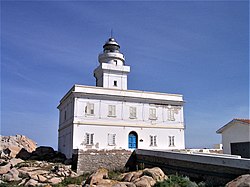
(132, 112)
(115, 83)
(152, 113)
(111, 139)
(171, 115)
(115, 62)
(89, 110)
(153, 140)
(111, 111)
(171, 141)
(89, 139)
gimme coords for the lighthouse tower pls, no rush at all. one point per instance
(112, 72)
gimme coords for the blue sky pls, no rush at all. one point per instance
(196, 48)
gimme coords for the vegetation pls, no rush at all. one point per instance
(179, 181)
(72, 180)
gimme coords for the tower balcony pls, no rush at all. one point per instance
(107, 57)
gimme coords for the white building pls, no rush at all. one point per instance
(236, 137)
(109, 116)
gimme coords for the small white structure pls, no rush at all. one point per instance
(109, 116)
(236, 137)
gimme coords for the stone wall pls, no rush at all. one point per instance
(91, 160)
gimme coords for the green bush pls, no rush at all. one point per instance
(176, 181)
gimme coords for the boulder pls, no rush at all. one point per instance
(132, 176)
(241, 181)
(41, 178)
(55, 180)
(23, 154)
(11, 145)
(43, 153)
(143, 182)
(5, 169)
(12, 175)
(119, 184)
(31, 182)
(96, 177)
(156, 173)
(129, 184)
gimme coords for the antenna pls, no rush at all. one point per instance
(111, 33)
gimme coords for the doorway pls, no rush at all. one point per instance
(132, 140)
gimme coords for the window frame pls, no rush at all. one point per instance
(171, 140)
(111, 110)
(90, 109)
(111, 139)
(153, 141)
(152, 114)
(89, 139)
(132, 112)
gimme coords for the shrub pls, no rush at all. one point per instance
(176, 181)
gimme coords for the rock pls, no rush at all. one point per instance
(31, 182)
(127, 177)
(73, 185)
(41, 178)
(55, 180)
(136, 175)
(107, 183)
(23, 154)
(119, 184)
(145, 181)
(44, 153)
(22, 182)
(156, 173)
(96, 177)
(241, 181)
(12, 175)
(11, 145)
(5, 169)
(131, 176)
(15, 161)
(129, 184)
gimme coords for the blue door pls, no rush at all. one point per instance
(132, 140)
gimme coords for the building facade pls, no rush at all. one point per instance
(236, 137)
(108, 116)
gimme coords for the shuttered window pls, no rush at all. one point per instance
(132, 112)
(153, 140)
(152, 113)
(89, 110)
(111, 139)
(111, 111)
(89, 138)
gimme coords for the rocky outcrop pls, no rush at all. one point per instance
(42, 153)
(241, 181)
(34, 173)
(11, 145)
(142, 178)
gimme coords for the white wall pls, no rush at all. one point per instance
(233, 134)
(65, 141)
(109, 78)
(101, 137)
(123, 114)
